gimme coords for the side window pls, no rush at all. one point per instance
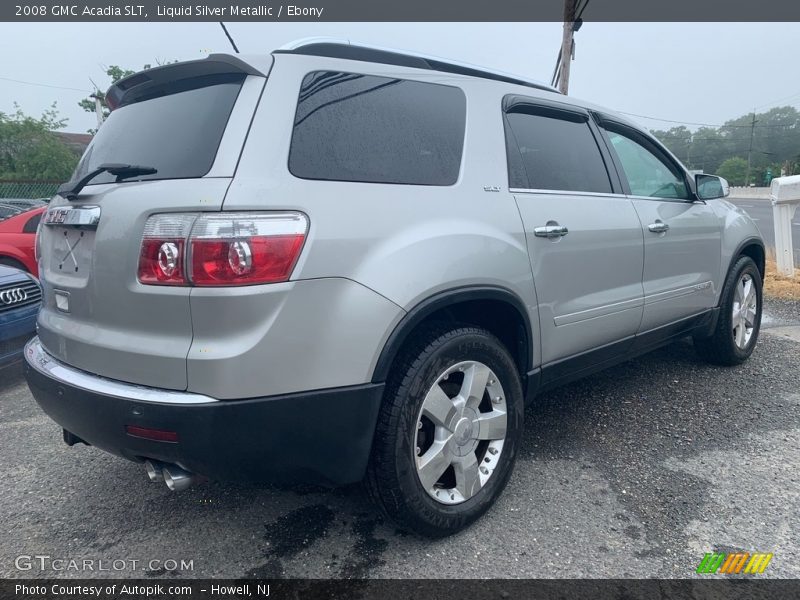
(351, 127)
(647, 173)
(554, 153)
(32, 223)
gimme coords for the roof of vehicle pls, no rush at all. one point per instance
(12, 219)
(345, 49)
(11, 207)
(135, 86)
(348, 50)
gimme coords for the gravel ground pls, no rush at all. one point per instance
(634, 472)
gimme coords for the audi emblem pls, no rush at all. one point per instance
(13, 296)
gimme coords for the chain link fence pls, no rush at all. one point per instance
(23, 188)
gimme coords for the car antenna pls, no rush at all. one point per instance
(230, 39)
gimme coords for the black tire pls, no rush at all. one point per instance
(12, 262)
(720, 348)
(392, 478)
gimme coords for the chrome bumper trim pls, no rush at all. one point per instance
(39, 359)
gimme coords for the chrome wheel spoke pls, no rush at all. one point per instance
(744, 311)
(747, 291)
(432, 465)
(438, 407)
(474, 385)
(467, 480)
(750, 300)
(459, 440)
(492, 426)
(737, 314)
(739, 334)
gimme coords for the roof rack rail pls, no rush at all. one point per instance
(345, 49)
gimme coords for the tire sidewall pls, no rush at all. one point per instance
(470, 346)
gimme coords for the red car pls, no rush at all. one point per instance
(17, 237)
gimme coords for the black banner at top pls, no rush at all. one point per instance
(395, 10)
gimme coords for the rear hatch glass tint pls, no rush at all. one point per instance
(175, 129)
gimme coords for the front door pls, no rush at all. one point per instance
(682, 236)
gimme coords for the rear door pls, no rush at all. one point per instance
(584, 238)
(189, 122)
(682, 236)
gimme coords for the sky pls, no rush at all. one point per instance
(689, 72)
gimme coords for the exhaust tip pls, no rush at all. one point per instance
(154, 471)
(177, 479)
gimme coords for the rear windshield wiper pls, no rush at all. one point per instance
(71, 190)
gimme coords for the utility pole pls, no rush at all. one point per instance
(566, 45)
(750, 150)
(98, 110)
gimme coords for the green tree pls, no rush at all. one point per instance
(678, 141)
(115, 73)
(30, 150)
(734, 170)
(709, 148)
(775, 140)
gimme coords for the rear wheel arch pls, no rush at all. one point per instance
(496, 309)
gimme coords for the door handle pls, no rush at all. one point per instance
(550, 231)
(658, 227)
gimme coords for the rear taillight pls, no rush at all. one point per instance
(162, 256)
(221, 249)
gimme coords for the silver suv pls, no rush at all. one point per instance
(337, 263)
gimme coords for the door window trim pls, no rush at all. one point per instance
(650, 144)
(516, 103)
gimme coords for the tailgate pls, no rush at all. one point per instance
(96, 316)
(183, 126)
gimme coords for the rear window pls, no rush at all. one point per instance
(351, 127)
(550, 153)
(176, 130)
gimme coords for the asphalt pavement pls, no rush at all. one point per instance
(634, 472)
(760, 210)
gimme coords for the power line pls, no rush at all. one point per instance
(673, 121)
(779, 101)
(699, 124)
(47, 85)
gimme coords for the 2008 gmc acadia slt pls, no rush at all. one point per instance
(336, 262)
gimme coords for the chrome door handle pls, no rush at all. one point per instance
(658, 227)
(550, 231)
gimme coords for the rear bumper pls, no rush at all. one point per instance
(323, 436)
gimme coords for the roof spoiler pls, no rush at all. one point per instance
(345, 49)
(128, 89)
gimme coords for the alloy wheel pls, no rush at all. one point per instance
(745, 310)
(461, 428)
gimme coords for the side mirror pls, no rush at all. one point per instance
(710, 187)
